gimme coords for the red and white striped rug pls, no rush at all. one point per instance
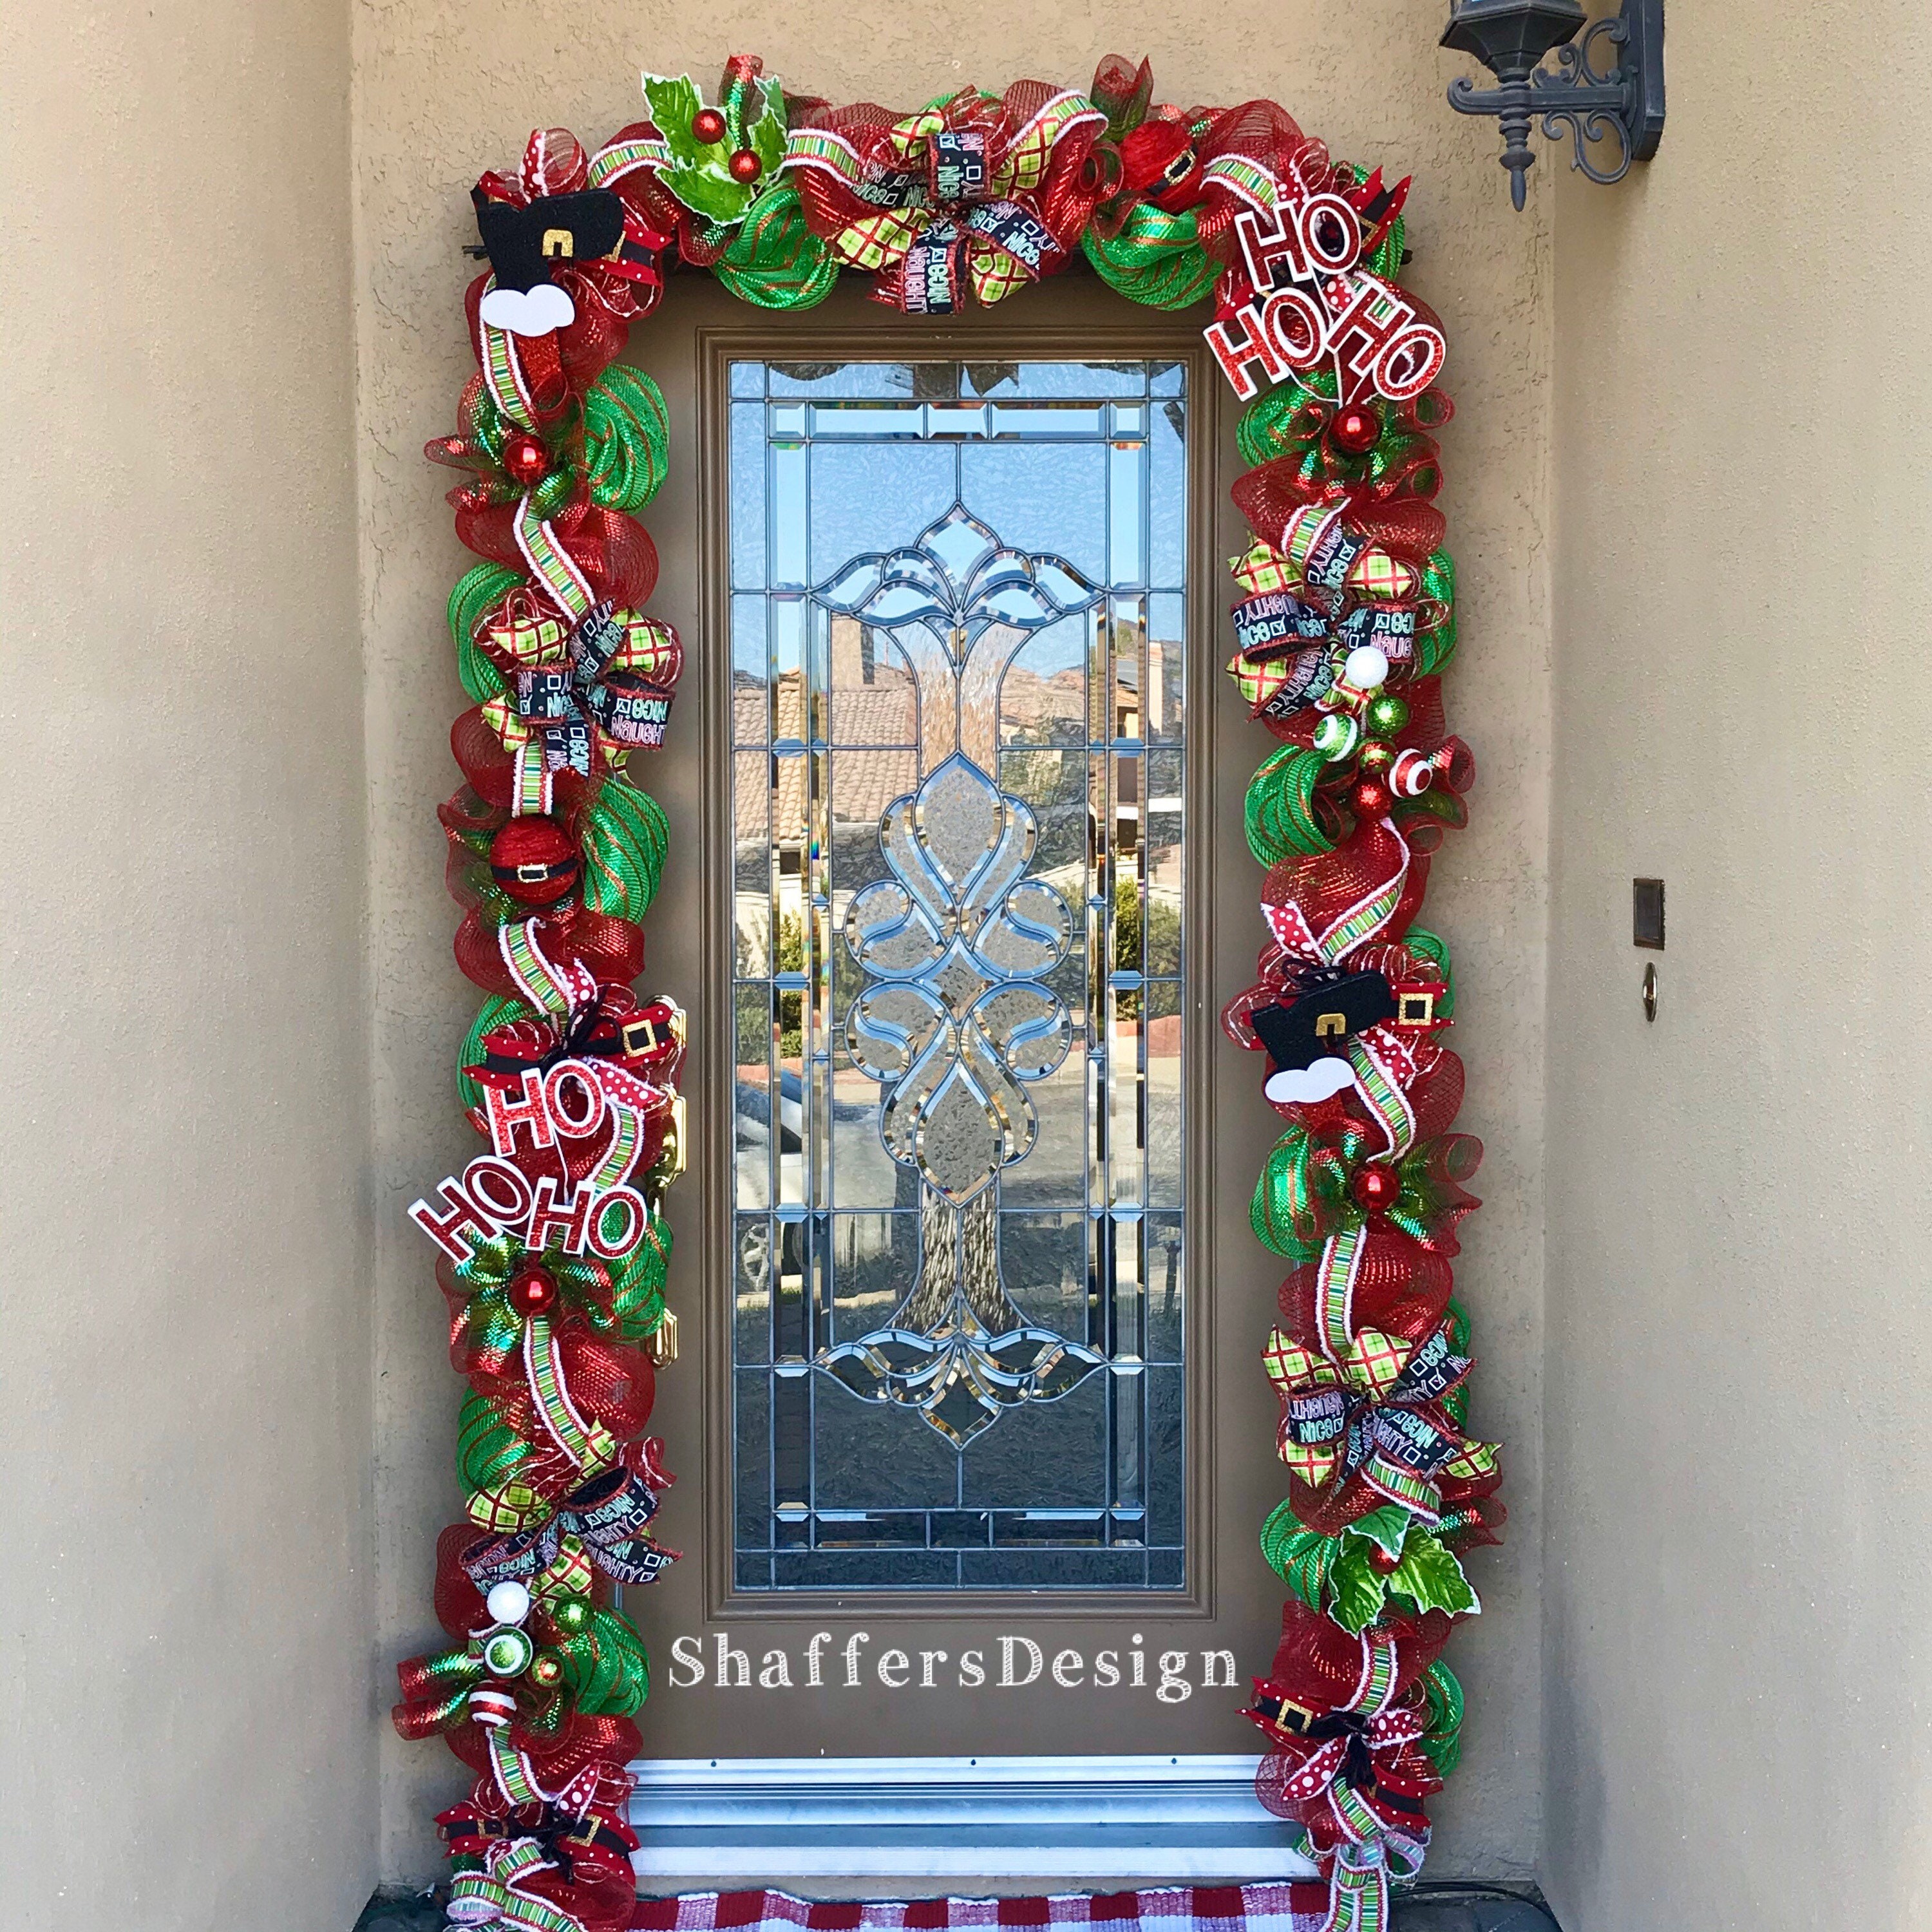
(1299, 1907)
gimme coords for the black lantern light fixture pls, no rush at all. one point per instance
(1624, 101)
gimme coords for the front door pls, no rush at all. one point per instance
(972, 1439)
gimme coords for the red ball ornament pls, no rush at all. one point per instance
(1355, 430)
(707, 125)
(533, 860)
(533, 1291)
(1371, 800)
(1376, 1187)
(745, 167)
(526, 459)
(1381, 1562)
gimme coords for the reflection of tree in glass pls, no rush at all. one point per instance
(1163, 940)
(790, 959)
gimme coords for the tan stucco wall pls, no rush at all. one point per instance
(444, 90)
(1736, 1677)
(188, 1653)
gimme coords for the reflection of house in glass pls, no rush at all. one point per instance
(869, 718)
(874, 725)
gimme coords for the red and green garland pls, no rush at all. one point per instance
(552, 1248)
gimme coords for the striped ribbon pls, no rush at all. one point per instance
(511, 1769)
(1335, 1288)
(627, 1136)
(1358, 1893)
(616, 159)
(552, 565)
(533, 790)
(503, 371)
(1384, 1099)
(549, 987)
(589, 1445)
(1376, 1685)
(1367, 916)
(496, 1895)
(1246, 179)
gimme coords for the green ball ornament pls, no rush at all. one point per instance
(1336, 736)
(571, 1614)
(1377, 756)
(507, 1653)
(1387, 716)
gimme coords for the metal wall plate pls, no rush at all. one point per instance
(1647, 913)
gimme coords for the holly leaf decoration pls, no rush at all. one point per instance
(766, 135)
(1385, 1528)
(701, 172)
(1429, 1577)
(1359, 1592)
(711, 193)
(674, 105)
(1349, 1577)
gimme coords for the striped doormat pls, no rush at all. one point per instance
(1302, 1907)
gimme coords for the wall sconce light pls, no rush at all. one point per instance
(1511, 37)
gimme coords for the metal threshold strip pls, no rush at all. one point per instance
(936, 1824)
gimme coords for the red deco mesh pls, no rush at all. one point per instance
(1326, 884)
(539, 356)
(459, 1604)
(479, 1350)
(1405, 526)
(1478, 1523)
(612, 949)
(601, 1893)
(1318, 1665)
(596, 338)
(580, 1743)
(1400, 1288)
(1264, 133)
(614, 552)
(476, 950)
(609, 1382)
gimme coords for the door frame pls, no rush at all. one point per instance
(1121, 329)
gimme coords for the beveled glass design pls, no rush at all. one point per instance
(958, 693)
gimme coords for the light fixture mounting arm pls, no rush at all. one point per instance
(1622, 101)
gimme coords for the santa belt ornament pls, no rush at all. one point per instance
(469, 1834)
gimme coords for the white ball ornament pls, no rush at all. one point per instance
(1366, 668)
(507, 1604)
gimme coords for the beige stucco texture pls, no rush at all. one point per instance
(1735, 1669)
(190, 1696)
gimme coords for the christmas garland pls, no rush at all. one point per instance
(552, 1246)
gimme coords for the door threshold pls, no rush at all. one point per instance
(918, 1827)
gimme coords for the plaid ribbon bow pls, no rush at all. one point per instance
(1377, 1412)
(608, 1515)
(953, 197)
(604, 681)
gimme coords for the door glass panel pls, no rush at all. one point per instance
(958, 794)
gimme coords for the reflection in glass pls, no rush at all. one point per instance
(957, 804)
